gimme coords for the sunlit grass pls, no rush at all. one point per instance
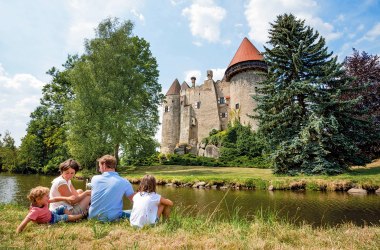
(367, 177)
(266, 230)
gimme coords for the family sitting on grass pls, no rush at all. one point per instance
(104, 202)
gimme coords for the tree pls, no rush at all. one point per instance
(116, 93)
(8, 152)
(299, 105)
(364, 69)
(44, 146)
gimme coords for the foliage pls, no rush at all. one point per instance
(189, 160)
(44, 146)
(115, 106)
(243, 147)
(364, 69)
(300, 111)
(8, 153)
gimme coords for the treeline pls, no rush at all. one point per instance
(316, 115)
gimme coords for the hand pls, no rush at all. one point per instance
(87, 192)
(71, 199)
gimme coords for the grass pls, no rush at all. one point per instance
(266, 231)
(367, 177)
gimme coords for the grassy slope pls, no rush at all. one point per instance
(265, 232)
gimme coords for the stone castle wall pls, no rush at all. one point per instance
(170, 124)
(195, 111)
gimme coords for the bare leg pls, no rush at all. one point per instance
(164, 211)
(85, 203)
(74, 217)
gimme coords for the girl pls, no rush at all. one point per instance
(78, 201)
(148, 206)
(39, 209)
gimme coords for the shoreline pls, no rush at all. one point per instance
(359, 180)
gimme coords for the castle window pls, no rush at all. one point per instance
(193, 122)
(223, 115)
(222, 100)
(237, 106)
(197, 105)
(167, 109)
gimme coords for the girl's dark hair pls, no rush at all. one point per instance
(70, 163)
(148, 184)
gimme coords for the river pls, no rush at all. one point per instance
(316, 208)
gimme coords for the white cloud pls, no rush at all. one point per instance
(191, 73)
(218, 74)
(138, 15)
(19, 96)
(87, 14)
(373, 33)
(260, 13)
(205, 18)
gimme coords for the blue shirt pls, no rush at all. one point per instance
(107, 191)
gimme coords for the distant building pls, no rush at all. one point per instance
(191, 112)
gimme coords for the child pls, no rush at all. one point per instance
(39, 209)
(148, 205)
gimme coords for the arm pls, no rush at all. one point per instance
(65, 192)
(166, 202)
(23, 224)
(69, 199)
(131, 197)
(73, 190)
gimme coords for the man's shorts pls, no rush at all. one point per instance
(78, 210)
(58, 215)
(126, 214)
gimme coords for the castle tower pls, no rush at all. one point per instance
(243, 73)
(171, 119)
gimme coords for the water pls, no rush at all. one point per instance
(317, 208)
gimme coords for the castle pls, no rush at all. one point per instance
(190, 113)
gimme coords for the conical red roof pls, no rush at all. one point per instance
(175, 88)
(246, 52)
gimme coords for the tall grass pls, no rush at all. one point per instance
(266, 230)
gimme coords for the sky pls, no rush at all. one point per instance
(187, 37)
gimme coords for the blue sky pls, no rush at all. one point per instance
(186, 37)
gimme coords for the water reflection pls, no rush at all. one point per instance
(317, 208)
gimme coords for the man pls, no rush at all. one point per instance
(107, 192)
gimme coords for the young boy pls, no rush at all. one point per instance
(39, 209)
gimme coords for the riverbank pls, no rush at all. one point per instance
(364, 179)
(265, 231)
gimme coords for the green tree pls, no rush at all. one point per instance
(299, 105)
(116, 94)
(8, 152)
(44, 146)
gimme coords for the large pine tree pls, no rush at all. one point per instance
(299, 108)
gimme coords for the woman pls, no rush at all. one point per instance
(77, 201)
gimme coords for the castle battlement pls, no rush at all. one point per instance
(190, 113)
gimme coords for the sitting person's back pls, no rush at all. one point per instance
(148, 206)
(107, 192)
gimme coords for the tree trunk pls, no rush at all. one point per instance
(116, 153)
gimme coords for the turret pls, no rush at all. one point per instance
(171, 119)
(243, 73)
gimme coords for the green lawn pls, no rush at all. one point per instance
(367, 177)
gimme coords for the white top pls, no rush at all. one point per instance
(144, 211)
(57, 182)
